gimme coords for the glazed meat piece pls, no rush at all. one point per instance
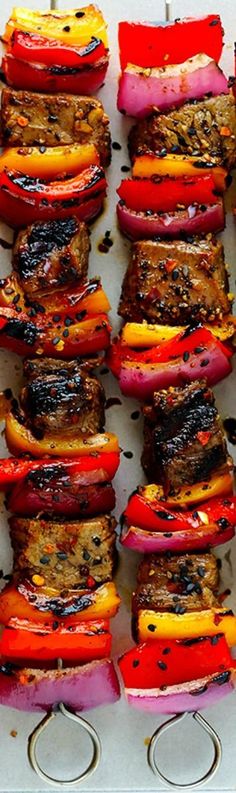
(34, 367)
(68, 399)
(47, 256)
(183, 436)
(65, 553)
(30, 119)
(196, 128)
(186, 582)
(174, 282)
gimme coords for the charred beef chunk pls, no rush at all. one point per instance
(66, 399)
(34, 367)
(47, 256)
(176, 583)
(65, 553)
(30, 119)
(174, 282)
(195, 129)
(183, 436)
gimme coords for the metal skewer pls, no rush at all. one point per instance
(214, 738)
(40, 729)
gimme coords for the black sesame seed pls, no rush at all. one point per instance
(79, 14)
(67, 28)
(166, 651)
(128, 455)
(204, 362)
(175, 274)
(116, 146)
(96, 541)
(65, 333)
(55, 625)
(135, 415)
(86, 556)
(135, 663)
(42, 149)
(61, 555)
(185, 356)
(52, 118)
(201, 571)
(44, 560)
(125, 168)
(162, 665)
(151, 628)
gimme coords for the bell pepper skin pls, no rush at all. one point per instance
(32, 47)
(61, 496)
(23, 200)
(165, 195)
(184, 661)
(218, 485)
(142, 334)
(173, 362)
(98, 467)
(80, 687)
(23, 641)
(151, 44)
(24, 601)
(47, 336)
(90, 297)
(20, 440)
(54, 79)
(155, 516)
(191, 625)
(75, 28)
(177, 166)
(49, 162)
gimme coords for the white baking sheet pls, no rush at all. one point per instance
(186, 753)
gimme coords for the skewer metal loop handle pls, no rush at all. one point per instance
(153, 746)
(42, 726)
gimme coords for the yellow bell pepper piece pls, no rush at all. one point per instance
(65, 298)
(51, 162)
(20, 439)
(177, 165)
(65, 25)
(141, 334)
(220, 484)
(164, 625)
(13, 603)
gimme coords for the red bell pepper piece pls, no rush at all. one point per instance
(32, 47)
(56, 493)
(192, 341)
(47, 336)
(166, 662)
(97, 467)
(24, 199)
(149, 45)
(164, 195)
(155, 516)
(24, 641)
(54, 79)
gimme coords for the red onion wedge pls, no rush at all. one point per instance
(141, 90)
(189, 696)
(199, 219)
(80, 688)
(145, 541)
(140, 380)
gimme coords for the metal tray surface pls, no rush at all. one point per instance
(184, 753)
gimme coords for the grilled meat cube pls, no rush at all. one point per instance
(69, 399)
(30, 119)
(195, 129)
(38, 367)
(174, 282)
(47, 256)
(187, 582)
(183, 436)
(65, 553)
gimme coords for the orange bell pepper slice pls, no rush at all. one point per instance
(20, 439)
(164, 625)
(220, 484)
(72, 299)
(22, 640)
(50, 162)
(102, 603)
(141, 334)
(74, 27)
(176, 165)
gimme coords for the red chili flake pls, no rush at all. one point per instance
(217, 619)
(204, 437)
(170, 265)
(90, 581)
